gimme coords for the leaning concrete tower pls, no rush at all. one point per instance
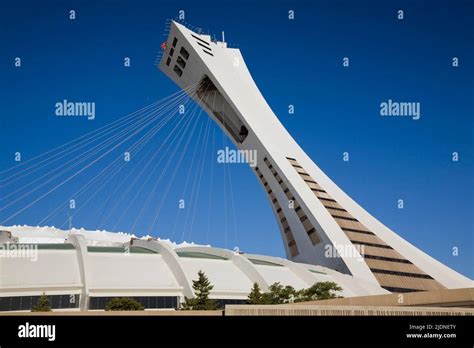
(319, 223)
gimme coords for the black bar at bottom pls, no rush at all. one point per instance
(243, 331)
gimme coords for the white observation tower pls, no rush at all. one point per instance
(319, 223)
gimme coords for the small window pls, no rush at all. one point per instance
(177, 70)
(175, 41)
(171, 52)
(181, 62)
(168, 61)
(208, 53)
(184, 53)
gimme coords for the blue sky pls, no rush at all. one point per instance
(295, 62)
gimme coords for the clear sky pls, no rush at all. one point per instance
(296, 62)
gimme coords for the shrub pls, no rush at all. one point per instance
(320, 291)
(124, 304)
(279, 294)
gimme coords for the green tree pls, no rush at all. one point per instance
(255, 295)
(202, 287)
(42, 305)
(278, 294)
(320, 291)
(124, 304)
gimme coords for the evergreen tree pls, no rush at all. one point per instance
(202, 287)
(255, 296)
(42, 305)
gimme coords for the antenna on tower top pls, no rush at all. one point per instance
(223, 37)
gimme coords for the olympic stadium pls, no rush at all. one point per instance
(98, 266)
(82, 270)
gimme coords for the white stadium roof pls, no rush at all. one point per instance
(95, 265)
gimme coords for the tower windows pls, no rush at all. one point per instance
(209, 53)
(184, 53)
(313, 236)
(221, 109)
(243, 132)
(181, 62)
(201, 40)
(307, 226)
(175, 41)
(288, 235)
(177, 70)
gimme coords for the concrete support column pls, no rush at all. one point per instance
(80, 244)
(249, 270)
(171, 259)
